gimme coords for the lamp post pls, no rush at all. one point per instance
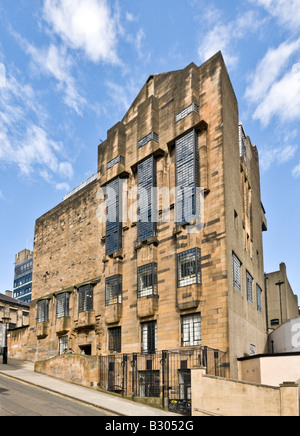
(5, 320)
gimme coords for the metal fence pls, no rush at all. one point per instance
(165, 375)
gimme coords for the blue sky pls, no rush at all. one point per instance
(69, 70)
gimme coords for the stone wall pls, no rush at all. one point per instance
(224, 397)
(81, 370)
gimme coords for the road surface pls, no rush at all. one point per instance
(20, 399)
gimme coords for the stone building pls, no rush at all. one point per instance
(15, 312)
(281, 301)
(177, 269)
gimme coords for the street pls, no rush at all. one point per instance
(20, 399)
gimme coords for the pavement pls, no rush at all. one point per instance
(24, 371)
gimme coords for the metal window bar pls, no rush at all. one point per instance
(115, 340)
(187, 178)
(81, 186)
(185, 112)
(62, 305)
(249, 286)
(147, 280)
(113, 224)
(236, 273)
(119, 159)
(147, 201)
(150, 137)
(113, 290)
(85, 298)
(189, 268)
(42, 311)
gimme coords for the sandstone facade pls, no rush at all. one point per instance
(70, 250)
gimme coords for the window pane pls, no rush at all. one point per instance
(147, 202)
(43, 311)
(249, 287)
(147, 280)
(187, 177)
(85, 298)
(113, 290)
(191, 330)
(149, 338)
(114, 335)
(113, 224)
(259, 298)
(236, 273)
(62, 305)
(189, 267)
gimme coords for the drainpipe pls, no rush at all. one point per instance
(266, 298)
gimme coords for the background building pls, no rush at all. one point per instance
(138, 286)
(23, 276)
(282, 302)
(17, 311)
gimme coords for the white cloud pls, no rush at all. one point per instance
(276, 156)
(62, 187)
(286, 11)
(130, 17)
(122, 96)
(55, 62)
(23, 142)
(87, 25)
(296, 172)
(275, 85)
(269, 69)
(282, 100)
(222, 37)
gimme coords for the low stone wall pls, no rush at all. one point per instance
(73, 368)
(226, 397)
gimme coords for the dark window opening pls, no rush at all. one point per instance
(114, 340)
(86, 350)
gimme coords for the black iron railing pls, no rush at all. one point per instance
(165, 375)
